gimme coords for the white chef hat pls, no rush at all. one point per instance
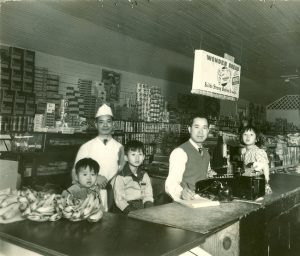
(104, 110)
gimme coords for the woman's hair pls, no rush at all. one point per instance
(134, 145)
(259, 138)
(87, 162)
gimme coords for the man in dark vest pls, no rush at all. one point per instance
(190, 162)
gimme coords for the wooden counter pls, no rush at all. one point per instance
(260, 226)
(113, 235)
(171, 229)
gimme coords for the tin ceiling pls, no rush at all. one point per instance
(263, 36)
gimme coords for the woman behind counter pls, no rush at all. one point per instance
(253, 156)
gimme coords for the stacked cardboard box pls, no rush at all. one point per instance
(89, 100)
(17, 80)
(151, 106)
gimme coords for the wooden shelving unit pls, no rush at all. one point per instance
(17, 98)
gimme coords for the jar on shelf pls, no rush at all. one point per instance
(20, 143)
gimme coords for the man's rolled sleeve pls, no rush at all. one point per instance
(178, 159)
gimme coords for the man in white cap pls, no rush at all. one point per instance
(108, 152)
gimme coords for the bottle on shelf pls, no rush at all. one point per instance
(219, 158)
(229, 164)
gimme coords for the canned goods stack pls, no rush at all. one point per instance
(16, 123)
(17, 98)
(151, 105)
(143, 93)
(119, 125)
(38, 122)
(156, 105)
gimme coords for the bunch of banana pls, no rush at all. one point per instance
(77, 210)
(9, 205)
(39, 206)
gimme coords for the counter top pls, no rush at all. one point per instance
(142, 233)
(209, 219)
(202, 220)
(113, 235)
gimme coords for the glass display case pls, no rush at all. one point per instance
(43, 158)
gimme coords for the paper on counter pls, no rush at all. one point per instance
(198, 202)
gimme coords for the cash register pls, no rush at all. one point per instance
(228, 186)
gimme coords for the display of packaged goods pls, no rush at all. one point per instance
(19, 108)
(57, 167)
(145, 138)
(68, 130)
(15, 123)
(7, 95)
(297, 170)
(230, 138)
(285, 147)
(49, 120)
(6, 107)
(28, 85)
(29, 109)
(38, 122)
(293, 139)
(41, 92)
(20, 97)
(270, 141)
(150, 104)
(26, 143)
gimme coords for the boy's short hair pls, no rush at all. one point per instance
(259, 138)
(87, 162)
(134, 145)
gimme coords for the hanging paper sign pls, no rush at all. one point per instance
(215, 76)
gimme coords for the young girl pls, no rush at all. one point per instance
(255, 158)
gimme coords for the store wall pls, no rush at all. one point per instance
(292, 116)
(69, 71)
(241, 106)
(228, 108)
(41, 28)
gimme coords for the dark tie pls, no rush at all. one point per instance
(105, 141)
(200, 151)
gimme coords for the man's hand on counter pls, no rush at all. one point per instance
(102, 181)
(187, 194)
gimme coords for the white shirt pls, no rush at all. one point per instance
(178, 159)
(107, 156)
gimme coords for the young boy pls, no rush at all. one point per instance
(132, 187)
(87, 170)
